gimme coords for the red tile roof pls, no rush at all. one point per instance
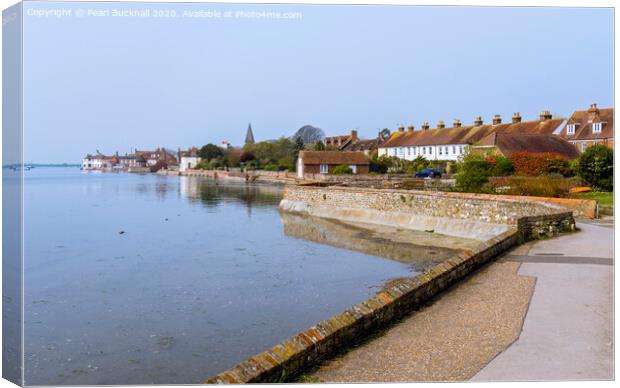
(509, 143)
(583, 119)
(468, 134)
(333, 157)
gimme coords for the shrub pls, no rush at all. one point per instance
(503, 166)
(473, 172)
(541, 186)
(534, 164)
(596, 166)
(270, 167)
(342, 169)
(246, 156)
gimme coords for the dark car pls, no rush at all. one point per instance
(428, 173)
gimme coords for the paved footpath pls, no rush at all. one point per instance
(542, 312)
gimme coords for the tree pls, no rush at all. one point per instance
(211, 151)
(596, 166)
(473, 173)
(309, 134)
(385, 133)
(246, 156)
(319, 146)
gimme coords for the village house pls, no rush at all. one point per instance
(159, 155)
(353, 143)
(586, 128)
(188, 159)
(449, 144)
(324, 162)
(98, 161)
(506, 144)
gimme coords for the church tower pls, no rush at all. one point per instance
(249, 136)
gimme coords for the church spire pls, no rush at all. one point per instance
(249, 136)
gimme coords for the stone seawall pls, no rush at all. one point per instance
(521, 221)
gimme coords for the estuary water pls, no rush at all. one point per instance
(142, 279)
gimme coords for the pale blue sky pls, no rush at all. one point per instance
(115, 83)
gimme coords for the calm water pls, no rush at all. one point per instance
(202, 277)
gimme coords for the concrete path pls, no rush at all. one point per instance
(568, 331)
(542, 312)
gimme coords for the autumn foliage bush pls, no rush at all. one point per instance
(540, 186)
(535, 164)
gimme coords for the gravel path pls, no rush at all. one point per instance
(449, 340)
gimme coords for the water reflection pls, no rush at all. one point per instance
(419, 249)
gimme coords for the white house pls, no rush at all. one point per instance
(97, 162)
(188, 159)
(443, 143)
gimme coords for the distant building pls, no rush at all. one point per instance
(159, 155)
(226, 145)
(98, 161)
(249, 135)
(353, 143)
(188, 159)
(506, 144)
(443, 143)
(324, 162)
(586, 128)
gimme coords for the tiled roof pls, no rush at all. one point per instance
(468, 134)
(509, 143)
(333, 157)
(584, 120)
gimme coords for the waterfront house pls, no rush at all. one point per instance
(98, 161)
(506, 144)
(324, 162)
(188, 159)
(157, 156)
(586, 128)
(353, 143)
(441, 143)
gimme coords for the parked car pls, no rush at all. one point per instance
(428, 173)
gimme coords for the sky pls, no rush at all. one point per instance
(115, 83)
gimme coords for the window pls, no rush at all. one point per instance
(440, 151)
(324, 169)
(353, 168)
(583, 146)
(424, 150)
(454, 149)
(597, 127)
(430, 150)
(461, 149)
(570, 129)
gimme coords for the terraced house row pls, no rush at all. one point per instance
(547, 134)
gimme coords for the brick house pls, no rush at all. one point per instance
(324, 162)
(353, 143)
(586, 128)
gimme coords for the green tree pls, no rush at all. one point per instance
(211, 151)
(473, 173)
(596, 166)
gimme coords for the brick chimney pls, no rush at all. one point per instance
(593, 109)
(401, 128)
(441, 124)
(353, 134)
(456, 123)
(497, 119)
(410, 128)
(478, 121)
(425, 126)
(545, 115)
(516, 117)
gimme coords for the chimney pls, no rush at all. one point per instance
(353, 135)
(456, 123)
(410, 128)
(516, 117)
(441, 124)
(425, 126)
(497, 119)
(593, 109)
(545, 115)
(401, 128)
(478, 121)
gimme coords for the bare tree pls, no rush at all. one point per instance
(309, 134)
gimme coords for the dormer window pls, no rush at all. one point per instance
(570, 129)
(597, 127)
